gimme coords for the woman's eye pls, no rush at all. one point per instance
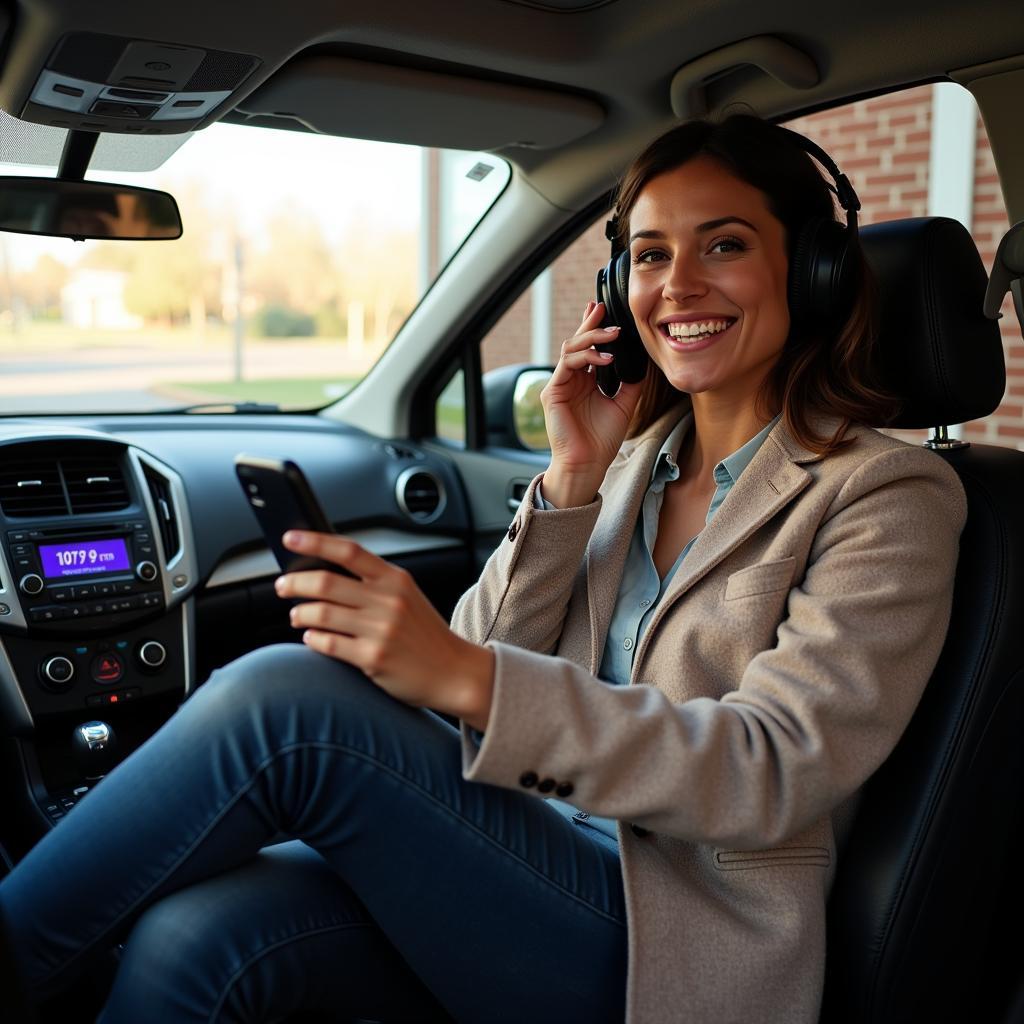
(727, 245)
(649, 256)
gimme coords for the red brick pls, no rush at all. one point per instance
(893, 179)
(1007, 430)
(911, 156)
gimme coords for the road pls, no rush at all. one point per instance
(126, 378)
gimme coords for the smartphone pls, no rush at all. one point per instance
(281, 498)
(631, 359)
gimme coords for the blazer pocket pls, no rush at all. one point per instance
(738, 860)
(762, 578)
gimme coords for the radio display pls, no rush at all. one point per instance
(84, 558)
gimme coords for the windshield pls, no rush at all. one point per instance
(301, 257)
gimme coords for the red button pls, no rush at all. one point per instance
(107, 668)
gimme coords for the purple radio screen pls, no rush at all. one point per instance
(84, 558)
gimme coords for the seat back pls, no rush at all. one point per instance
(927, 874)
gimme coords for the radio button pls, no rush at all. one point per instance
(124, 588)
(107, 668)
(151, 600)
(61, 594)
(73, 611)
(46, 614)
(25, 564)
(16, 536)
(21, 550)
(104, 589)
(31, 584)
(83, 591)
(146, 571)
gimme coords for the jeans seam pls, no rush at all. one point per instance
(232, 800)
(256, 957)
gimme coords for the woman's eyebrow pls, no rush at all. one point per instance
(708, 225)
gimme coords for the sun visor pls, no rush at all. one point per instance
(368, 100)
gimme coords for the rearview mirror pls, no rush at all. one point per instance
(86, 209)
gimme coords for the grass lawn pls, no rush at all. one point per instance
(287, 392)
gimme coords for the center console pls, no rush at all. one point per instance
(97, 566)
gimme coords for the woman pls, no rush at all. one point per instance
(772, 577)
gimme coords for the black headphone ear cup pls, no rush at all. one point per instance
(822, 272)
(630, 354)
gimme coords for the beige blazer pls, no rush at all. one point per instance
(781, 667)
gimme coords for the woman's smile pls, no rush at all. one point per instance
(695, 335)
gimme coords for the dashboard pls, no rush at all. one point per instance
(131, 565)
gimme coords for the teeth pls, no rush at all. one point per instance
(695, 330)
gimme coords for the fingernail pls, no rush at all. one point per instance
(606, 355)
(294, 538)
(610, 330)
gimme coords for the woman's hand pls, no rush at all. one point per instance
(383, 624)
(585, 428)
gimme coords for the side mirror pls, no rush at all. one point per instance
(86, 209)
(515, 417)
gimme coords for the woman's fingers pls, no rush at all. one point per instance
(322, 585)
(332, 547)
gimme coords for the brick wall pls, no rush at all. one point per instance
(882, 144)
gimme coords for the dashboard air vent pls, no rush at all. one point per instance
(94, 484)
(166, 516)
(31, 487)
(420, 494)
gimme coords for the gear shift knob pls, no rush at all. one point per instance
(94, 744)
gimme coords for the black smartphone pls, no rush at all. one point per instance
(280, 496)
(631, 359)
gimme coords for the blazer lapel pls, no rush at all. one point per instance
(622, 497)
(772, 479)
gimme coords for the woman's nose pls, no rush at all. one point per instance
(685, 278)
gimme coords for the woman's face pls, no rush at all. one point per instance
(707, 279)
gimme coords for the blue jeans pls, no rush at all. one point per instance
(405, 893)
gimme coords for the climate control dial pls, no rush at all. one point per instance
(152, 654)
(57, 673)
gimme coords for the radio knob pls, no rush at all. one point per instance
(146, 571)
(57, 673)
(152, 653)
(31, 584)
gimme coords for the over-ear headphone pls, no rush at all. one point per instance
(823, 276)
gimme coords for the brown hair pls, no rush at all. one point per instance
(826, 368)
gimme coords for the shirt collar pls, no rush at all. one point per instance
(729, 469)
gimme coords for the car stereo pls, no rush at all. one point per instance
(103, 570)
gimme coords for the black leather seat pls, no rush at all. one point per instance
(929, 875)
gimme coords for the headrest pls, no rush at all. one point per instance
(937, 349)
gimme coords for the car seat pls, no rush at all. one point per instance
(927, 876)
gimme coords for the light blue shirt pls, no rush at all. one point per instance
(641, 590)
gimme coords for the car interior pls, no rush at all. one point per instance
(546, 101)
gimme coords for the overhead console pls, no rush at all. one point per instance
(105, 83)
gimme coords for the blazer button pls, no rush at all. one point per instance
(528, 779)
(639, 831)
(546, 785)
(563, 789)
(513, 530)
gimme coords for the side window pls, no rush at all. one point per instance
(924, 152)
(531, 331)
